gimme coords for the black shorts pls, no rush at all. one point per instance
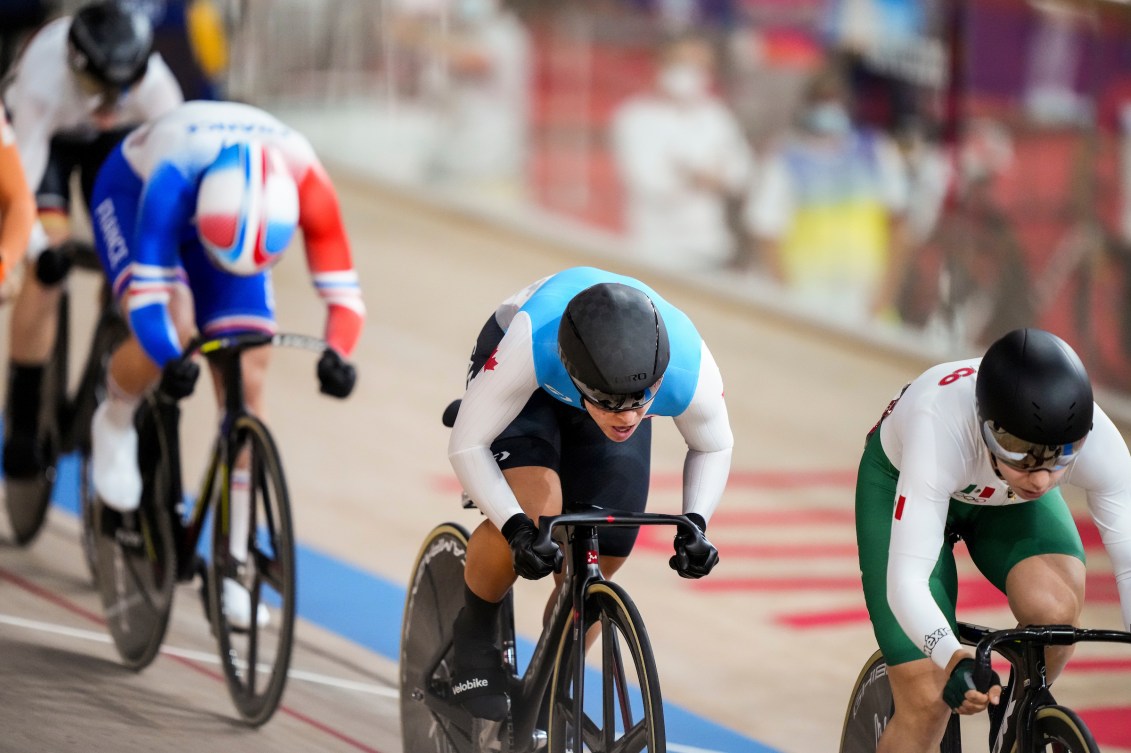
(68, 153)
(595, 471)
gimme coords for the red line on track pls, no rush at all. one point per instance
(738, 480)
(64, 603)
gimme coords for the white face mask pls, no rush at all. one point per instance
(828, 119)
(684, 82)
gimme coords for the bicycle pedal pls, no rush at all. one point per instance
(487, 735)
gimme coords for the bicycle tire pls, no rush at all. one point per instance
(256, 660)
(1062, 728)
(621, 727)
(136, 567)
(870, 707)
(28, 499)
(110, 331)
(435, 595)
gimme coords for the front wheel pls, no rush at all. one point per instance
(870, 707)
(430, 721)
(253, 546)
(1059, 730)
(619, 710)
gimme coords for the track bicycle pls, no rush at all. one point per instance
(1032, 721)
(65, 414)
(556, 705)
(143, 555)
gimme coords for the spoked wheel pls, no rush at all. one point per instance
(88, 534)
(619, 710)
(429, 723)
(136, 556)
(255, 636)
(870, 707)
(1060, 730)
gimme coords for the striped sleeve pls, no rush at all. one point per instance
(329, 259)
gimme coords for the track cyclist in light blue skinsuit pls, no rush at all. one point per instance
(561, 380)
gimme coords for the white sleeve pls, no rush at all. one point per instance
(158, 92)
(930, 456)
(494, 397)
(705, 427)
(1104, 472)
(639, 148)
(769, 211)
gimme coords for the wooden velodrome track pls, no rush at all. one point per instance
(768, 646)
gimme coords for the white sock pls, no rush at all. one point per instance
(240, 511)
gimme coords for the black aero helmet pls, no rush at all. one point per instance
(110, 43)
(1034, 400)
(614, 345)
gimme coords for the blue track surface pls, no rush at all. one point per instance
(366, 609)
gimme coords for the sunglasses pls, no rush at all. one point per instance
(616, 403)
(1022, 455)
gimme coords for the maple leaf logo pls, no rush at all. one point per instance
(491, 362)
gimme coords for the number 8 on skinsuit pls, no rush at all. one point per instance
(978, 449)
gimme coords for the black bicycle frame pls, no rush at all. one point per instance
(582, 569)
(167, 412)
(1024, 648)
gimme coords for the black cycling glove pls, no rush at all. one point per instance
(178, 378)
(335, 375)
(962, 680)
(694, 556)
(530, 562)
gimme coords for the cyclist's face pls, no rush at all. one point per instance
(616, 425)
(1029, 485)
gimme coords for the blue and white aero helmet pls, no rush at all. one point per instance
(246, 208)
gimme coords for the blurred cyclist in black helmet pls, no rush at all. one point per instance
(978, 449)
(562, 380)
(81, 84)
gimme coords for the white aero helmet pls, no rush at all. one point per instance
(246, 208)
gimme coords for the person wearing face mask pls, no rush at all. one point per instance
(683, 159)
(827, 214)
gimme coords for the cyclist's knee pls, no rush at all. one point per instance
(537, 489)
(1047, 589)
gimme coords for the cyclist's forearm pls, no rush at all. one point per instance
(485, 483)
(704, 479)
(910, 600)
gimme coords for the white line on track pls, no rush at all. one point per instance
(207, 658)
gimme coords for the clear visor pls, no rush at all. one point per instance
(1023, 455)
(616, 403)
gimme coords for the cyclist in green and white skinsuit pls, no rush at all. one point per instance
(979, 448)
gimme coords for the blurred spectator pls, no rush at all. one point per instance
(827, 215)
(683, 160)
(18, 19)
(475, 63)
(190, 36)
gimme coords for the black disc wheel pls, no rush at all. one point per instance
(1060, 730)
(135, 556)
(429, 722)
(870, 707)
(253, 550)
(617, 708)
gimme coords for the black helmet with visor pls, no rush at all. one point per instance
(614, 345)
(1034, 401)
(110, 43)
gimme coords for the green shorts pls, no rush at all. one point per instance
(996, 537)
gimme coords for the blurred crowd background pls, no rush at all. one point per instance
(942, 169)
